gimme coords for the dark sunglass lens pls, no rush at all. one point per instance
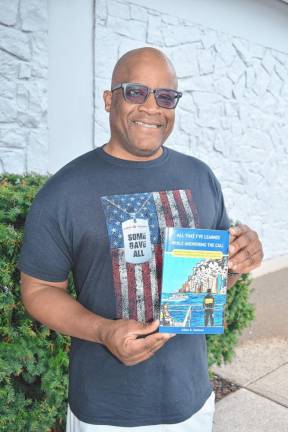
(166, 98)
(136, 93)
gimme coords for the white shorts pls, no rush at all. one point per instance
(201, 421)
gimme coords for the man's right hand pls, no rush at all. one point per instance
(131, 341)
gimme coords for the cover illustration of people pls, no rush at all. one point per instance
(194, 281)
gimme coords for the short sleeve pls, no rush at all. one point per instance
(45, 253)
(222, 221)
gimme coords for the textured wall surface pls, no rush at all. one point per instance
(233, 114)
(23, 85)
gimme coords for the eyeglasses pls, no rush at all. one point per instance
(138, 93)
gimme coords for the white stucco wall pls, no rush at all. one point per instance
(70, 80)
(23, 86)
(231, 58)
(260, 21)
(234, 112)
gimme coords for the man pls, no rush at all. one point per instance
(89, 218)
(208, 306)
(165, 317)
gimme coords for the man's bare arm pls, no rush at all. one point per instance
(52, 305)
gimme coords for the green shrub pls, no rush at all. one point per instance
(238, 315)
(34, 359)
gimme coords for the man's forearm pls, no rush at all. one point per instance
(55, 308)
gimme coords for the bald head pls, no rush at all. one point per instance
(139, 128)
(140, 58)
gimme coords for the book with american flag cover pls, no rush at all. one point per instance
(194, 281)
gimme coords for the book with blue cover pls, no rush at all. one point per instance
(194, 281)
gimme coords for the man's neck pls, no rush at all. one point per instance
(120, 153)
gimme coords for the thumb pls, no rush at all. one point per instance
(147, 328)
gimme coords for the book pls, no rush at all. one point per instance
(194, 281)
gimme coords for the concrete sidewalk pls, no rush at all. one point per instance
(260, 365)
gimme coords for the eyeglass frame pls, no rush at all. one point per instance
(150, 90)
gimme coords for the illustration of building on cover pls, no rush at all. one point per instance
(194, 281)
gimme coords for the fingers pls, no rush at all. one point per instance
(238, 229)
(154, 342)
(240, 238)
(245, 249)
(142, 329)
(132, 342)
(247, 264)
(151, 343)
(148, 347)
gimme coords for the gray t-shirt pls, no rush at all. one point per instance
(80, 221)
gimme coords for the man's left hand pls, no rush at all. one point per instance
(245, 249)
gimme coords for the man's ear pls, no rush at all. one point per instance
(107, 96)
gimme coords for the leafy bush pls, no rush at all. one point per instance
(238, 315)
(34, 359)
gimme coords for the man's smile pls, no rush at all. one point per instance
(146, 124)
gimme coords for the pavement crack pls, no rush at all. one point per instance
(264, 397)
(264, 376)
